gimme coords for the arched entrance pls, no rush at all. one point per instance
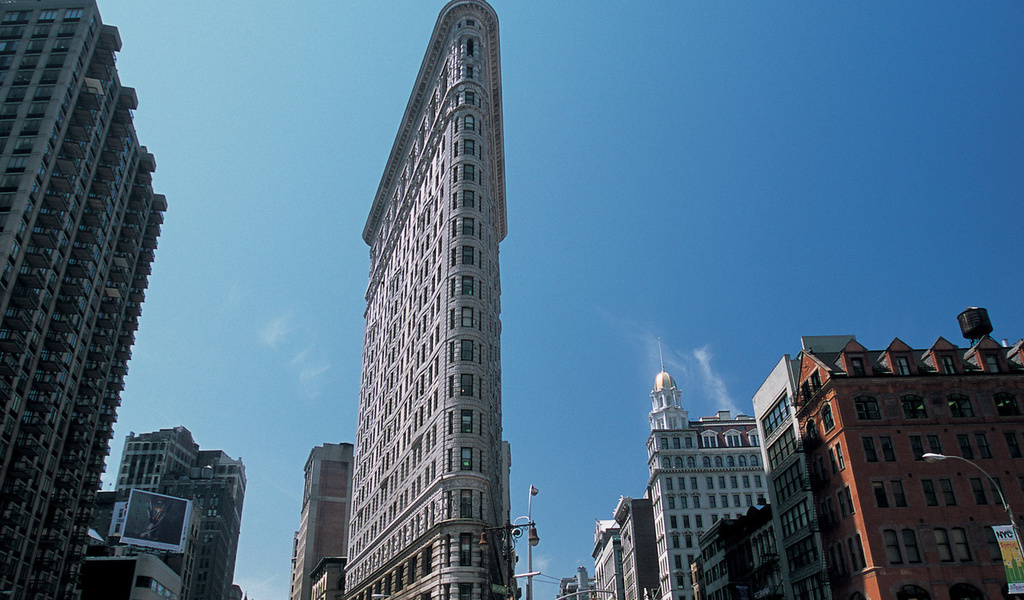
(912, 592)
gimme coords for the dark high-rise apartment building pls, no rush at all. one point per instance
(431, 469)
(78, 227)
(323, 528)
(170, 462)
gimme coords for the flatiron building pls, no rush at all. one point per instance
(431, 469)
(78, 227)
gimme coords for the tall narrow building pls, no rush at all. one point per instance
(78, 226)
(431, 469)
(323, 525)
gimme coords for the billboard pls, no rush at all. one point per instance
(156, 521)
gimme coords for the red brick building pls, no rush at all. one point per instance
(892, 525)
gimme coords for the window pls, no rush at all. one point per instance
(467, 285)
(991, 363)
(469, 71)
(1012, 444)
(899, 497)
(470, 97)
(888, 452)
(467, 316)
(826, 417)
(913, 407)
(72, 14)
(466, 504)
(917, 447)
(672, 522)
(881, 499)
(960, 406)
(469, 47)
(934, 444)
(671, 500)
(979, 491)
(469, 122)
(867, 408)
(984, 449)
(467, 255)
(892, 547)
(870, 454)
(965, 445)
(928, 487)
(468, 173)
(710, 482)
(902, 366)
(466, 350)
(948, 366)
(469, 147)
(910, 545)
(942, 543)
(465, 557)
(467, 459)
(710, 439)
(1006, 405)
(776, 415)
(960, 548)
(468, 199)
(948, 497)
(467, 422)
(468, 226)
(465, 384)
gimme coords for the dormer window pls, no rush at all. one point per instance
(948, 366)
(991, 363)
(857, 366)
(902, 365)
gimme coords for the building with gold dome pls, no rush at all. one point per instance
(700, 471)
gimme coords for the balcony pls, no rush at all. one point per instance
(12, 341)
(36, 258)
(25, 297)
(17, 320)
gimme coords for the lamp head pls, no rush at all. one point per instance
(534, 538)
(932, 457)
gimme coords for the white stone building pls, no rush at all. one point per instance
(700, 471)
(431, 468)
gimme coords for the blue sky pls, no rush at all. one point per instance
(727, 176)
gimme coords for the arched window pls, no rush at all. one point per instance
(753, 460)
(679, 462)
(964, 591)
(912, 592)
(959, 406)
(913, 407)
(743, 461)
(718, 461)
(730, 461)
(826, 417)
(691, 462)
(1006, 405)
(867, 408)
(666, 463)
(707, 461)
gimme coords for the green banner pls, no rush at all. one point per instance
(1013, 562)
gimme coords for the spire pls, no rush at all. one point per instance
(660, 355)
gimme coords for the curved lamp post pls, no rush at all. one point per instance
(932, 457)
(508, 534)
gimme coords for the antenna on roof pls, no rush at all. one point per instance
(660, 355)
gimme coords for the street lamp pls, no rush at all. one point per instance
(932, 457)
(509, 533)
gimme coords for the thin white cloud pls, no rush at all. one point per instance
(713, 384)
(275, 331)
(311, 378)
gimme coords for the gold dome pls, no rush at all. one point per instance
(663, 381)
